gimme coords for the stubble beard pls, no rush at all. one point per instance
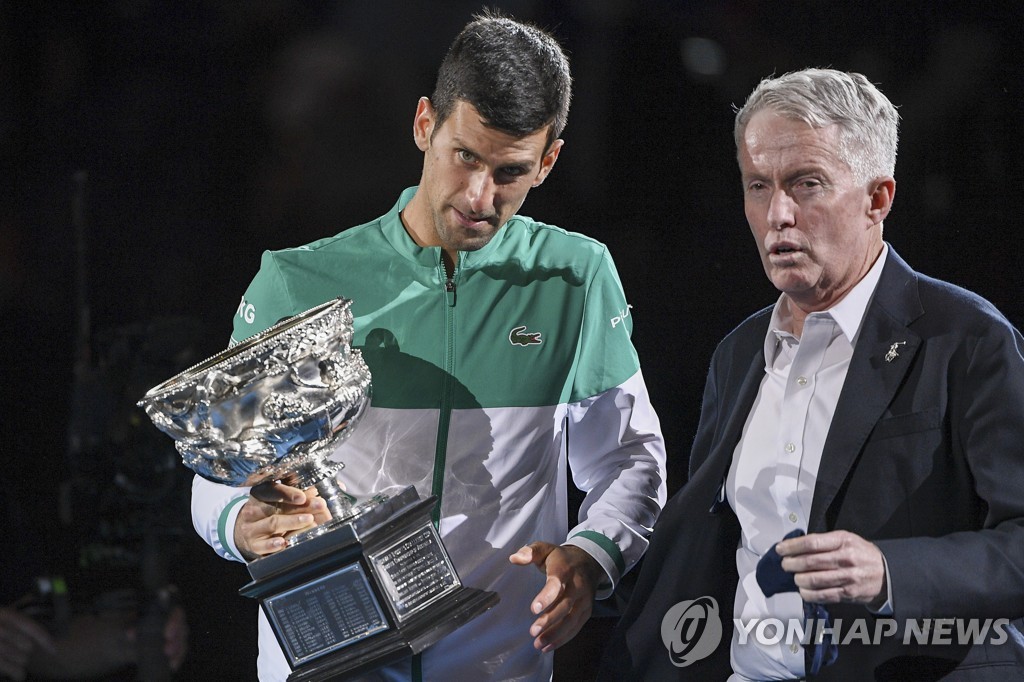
(455, 238)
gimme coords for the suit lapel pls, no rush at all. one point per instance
(741, 400)
(885, 351)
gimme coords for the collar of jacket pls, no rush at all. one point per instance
(428, 256)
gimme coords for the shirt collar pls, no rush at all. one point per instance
(848, 313)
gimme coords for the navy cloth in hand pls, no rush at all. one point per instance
(773, 579)
(770, 575)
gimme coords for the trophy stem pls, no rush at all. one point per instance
(339, 503)
(321, 475)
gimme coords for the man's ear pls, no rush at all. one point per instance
(547, 162)
(883, 190)
(423, 124)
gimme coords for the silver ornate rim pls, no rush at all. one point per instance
(245, 350)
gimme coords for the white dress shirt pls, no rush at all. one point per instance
(770, 484)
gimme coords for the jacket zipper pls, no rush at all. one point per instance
(444, 416)
(445, 407)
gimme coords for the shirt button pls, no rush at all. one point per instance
(790, 447)
(792, 517)
(794, 647)
(802, 381)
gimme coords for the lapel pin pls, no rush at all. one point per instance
(894, 351)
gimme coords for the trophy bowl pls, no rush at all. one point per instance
(375, 583)
(272, 407)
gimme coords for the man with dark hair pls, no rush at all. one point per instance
(515, 76)
(854, 507)
(499, 348)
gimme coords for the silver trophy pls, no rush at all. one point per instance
(372, 585)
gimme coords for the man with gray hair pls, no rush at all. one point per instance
(854, 507)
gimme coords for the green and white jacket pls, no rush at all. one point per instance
(483, 385)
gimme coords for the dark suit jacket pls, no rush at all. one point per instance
(924, 457)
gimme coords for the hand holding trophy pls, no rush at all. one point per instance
(372, 585)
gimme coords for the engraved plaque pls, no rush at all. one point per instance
(325, 614)
(415, 571)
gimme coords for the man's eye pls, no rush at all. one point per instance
(466, 156)
(513, 171)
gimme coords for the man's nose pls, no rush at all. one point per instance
(481, 193)
(781, 211)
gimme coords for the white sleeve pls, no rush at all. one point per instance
(617, 454)
(214, 509)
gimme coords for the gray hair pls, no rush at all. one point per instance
(867, 120)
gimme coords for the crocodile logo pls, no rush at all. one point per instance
(520, 337)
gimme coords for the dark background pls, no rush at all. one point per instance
(203, 133)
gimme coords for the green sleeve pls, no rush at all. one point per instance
(265, 302)
(606, 357)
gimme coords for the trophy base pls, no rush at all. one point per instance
(394, 646)
(370, 591)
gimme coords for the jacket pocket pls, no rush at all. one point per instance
(903, 424)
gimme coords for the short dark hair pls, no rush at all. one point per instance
(515, 74)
